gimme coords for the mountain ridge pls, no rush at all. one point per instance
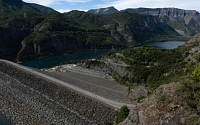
(185, 22)
(55, 33)
(107, 10)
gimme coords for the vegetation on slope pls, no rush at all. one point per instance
(122, 114)
(128, 27)
(152, 67)
(76, 30)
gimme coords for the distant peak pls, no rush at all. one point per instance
(111, 7)
(108, 10)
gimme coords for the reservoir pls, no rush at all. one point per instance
(64, 58)
(166, 45)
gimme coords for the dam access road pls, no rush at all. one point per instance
(32, 97)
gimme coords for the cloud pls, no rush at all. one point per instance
(123, 4)
(65, 11)
(50, 2)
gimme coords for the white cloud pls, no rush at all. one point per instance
(50, 2)
(65, 11)
(123, 4)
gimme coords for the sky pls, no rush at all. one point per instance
(84, 5)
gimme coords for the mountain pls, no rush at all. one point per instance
(42, 8)
(127, 28)
(185, 22)
(34, 33)
(76, 30)
(16, 22)
(173, 12)
(108, 10)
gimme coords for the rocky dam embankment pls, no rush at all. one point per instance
(29, 99)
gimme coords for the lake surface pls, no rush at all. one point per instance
(57, 60)
(166, 45)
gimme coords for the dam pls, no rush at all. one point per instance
(27, 98)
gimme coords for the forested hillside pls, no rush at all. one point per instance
(32, 31)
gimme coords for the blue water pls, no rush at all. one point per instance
(166, 45)
(57, 60)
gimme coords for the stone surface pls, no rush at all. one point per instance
(35, 94)
(173, 110)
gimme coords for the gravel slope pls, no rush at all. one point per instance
(24, 106)
(105, 88)
(44, 91)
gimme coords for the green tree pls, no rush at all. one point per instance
(196, 73)
(122, 114)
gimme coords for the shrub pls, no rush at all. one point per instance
(139, 99)
(162, 98)
(197, 97)
(196, 73)
(122, 114)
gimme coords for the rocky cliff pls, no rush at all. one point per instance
(165, 106)
(186, 22)
(174, 12)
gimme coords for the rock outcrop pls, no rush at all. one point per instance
(188, 20)
(165, 107)
(173, 12)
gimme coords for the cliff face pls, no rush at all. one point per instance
(186, 22)
(174, 12)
